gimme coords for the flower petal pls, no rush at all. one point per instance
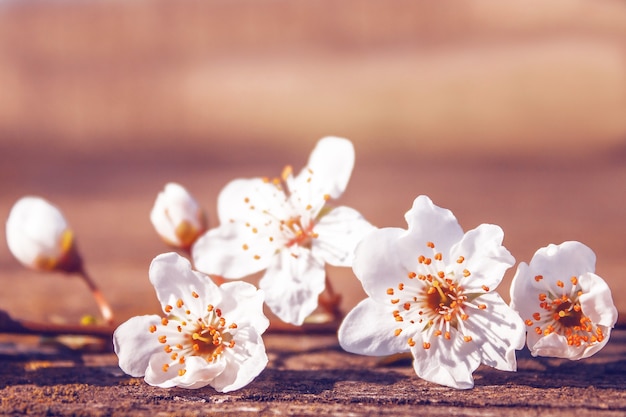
(198, 372)
(523, 292)
(174, 280)
(560, 262)
(369, 329)
(446, 362)
(292, 285)
(596, 300)
(497, 331)
(245, 363)
(242, 303)
(484, 255)
(233, 251)
(555, 345)
(135, 345)
(249, 199)
(329, 168)
(338, 234)
(430, 223)
(379, 261)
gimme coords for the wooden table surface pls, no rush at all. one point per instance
(311, 375)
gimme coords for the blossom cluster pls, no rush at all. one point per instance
(431, 288)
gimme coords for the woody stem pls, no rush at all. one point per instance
(103, 305)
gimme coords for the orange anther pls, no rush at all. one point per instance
(538, 278)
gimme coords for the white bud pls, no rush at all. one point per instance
(39, 237)
(177, 216)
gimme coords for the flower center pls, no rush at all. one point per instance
(301, 235)
(433, 299)
(562, 314)
(184, 335)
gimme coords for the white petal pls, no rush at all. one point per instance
(329, 167)
(233, 250)
(242, 304)
(485, 257)
(446, 362)
(555, 345)
(596, 301)
(561, 262)
(497, 331)
(174, 280)
(292, 286)
(198, 372)
(379, 262)
(523, 293)
(369, 328)
(35, 229)
(244, 364)
(135, 345)
(338, 234)
(430, 223)
(249, 199)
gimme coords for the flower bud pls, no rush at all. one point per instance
(39, 237)
(177, 217)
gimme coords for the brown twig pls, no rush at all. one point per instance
(26, 327)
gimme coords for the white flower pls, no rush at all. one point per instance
(568, 308)
(431, 292)
(209, 335)
(284, 226)
(39, 237)
(177, 216)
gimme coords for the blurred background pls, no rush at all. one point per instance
(511, 113)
